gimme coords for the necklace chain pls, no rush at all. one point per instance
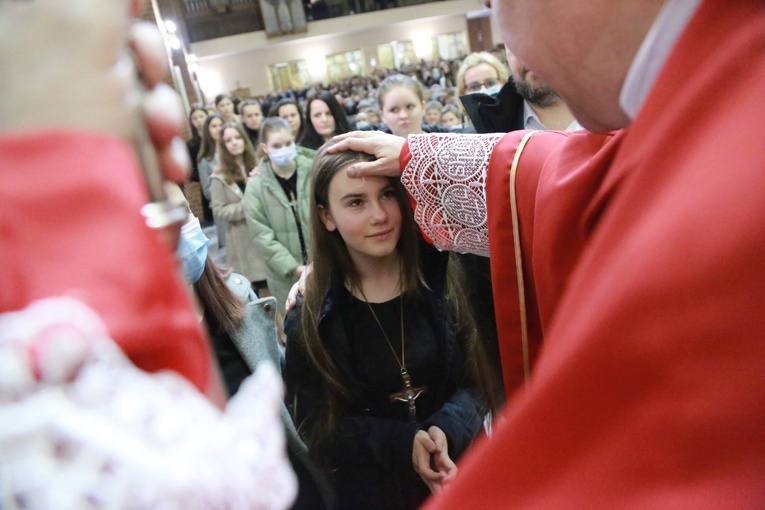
(402, 360)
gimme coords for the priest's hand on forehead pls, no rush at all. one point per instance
(385, 147)
(74, 65)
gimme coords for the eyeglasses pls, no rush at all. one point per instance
(477, 85)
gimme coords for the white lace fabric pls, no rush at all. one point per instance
(82, 428)
(446, 176)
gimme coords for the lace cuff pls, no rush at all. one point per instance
(446, 176)
(81, 427)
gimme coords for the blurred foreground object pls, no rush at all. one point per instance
(81, 427)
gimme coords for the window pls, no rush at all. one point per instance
(449, 46)
(289, 75)
(345, 65)
(396, 54)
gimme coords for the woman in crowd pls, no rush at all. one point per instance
(237, 159)
(224, 105)
(197, 118)
(382, 367)
(325, 119)
(289, 110)
(276, 205)
(207, 161)
(481, 72)
(402, 106)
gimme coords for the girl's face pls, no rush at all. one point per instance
(233, 141)
(402, 111)
(198, 119)
(277, 140)
(225, 107)
(448, 119)
(432, 116)
(214, 128)
(291, 114)
(322, 119)
(366, 214)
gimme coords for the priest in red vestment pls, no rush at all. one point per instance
(637, 256)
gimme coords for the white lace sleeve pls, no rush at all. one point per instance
(81, 427)
(446, 176)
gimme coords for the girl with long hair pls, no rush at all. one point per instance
(207, 161)
(325, 118)
(276, 206)
(227, 185)
(383, 368)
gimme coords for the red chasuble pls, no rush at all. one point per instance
(646, 269)
(71, 226)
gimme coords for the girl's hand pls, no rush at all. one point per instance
(423, 450)
(441, 460)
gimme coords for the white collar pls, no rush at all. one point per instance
(531, 120)
(653, 53)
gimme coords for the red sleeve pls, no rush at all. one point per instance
(71, 225)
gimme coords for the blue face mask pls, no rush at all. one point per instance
(283, 157)
(192, 250)
(492, 91)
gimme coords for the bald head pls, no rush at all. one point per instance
(581, 48)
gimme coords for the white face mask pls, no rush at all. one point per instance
(284, 156)
(489, 92)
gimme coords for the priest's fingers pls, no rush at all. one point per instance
(149, 50)
(162, 114)
(378, 167)
(49, 47)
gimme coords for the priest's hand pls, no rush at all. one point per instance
(385, 147)
(74, 65)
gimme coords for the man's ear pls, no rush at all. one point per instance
(326, 218)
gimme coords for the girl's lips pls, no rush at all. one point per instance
(381, 234)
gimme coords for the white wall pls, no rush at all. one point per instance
(244, 58)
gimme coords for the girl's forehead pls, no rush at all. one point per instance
(401, 93)
(281, 135)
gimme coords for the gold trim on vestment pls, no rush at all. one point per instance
(519, 256)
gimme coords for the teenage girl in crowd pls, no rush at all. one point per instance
(289, 110)
(325, 119)
(382, 367)
(276, 206)
(237, 159)
(207, 161)
(402, 105)
(224, 105)
(197, 119)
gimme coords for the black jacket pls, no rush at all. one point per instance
(370, 451)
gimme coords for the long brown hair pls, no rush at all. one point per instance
(229, 167)
(332, 263)
(217, 299)
(207, 149)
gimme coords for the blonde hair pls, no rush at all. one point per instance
(474, 59)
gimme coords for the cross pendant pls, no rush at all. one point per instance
(408, 394)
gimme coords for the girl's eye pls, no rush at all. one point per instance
(388, 193)
(355, 203)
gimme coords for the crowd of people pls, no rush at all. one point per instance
(542, 289)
